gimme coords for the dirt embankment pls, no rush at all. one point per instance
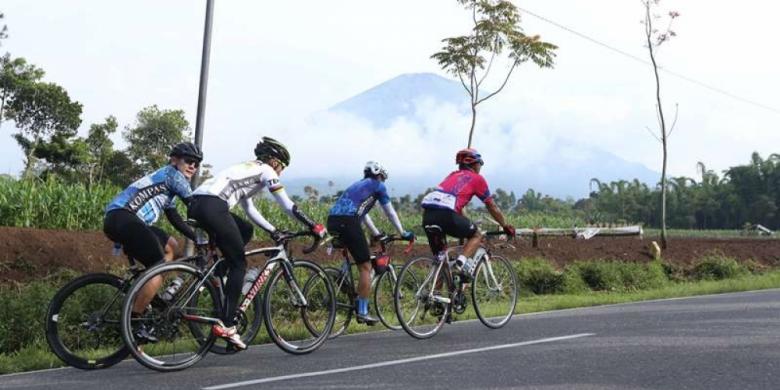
(28, 254)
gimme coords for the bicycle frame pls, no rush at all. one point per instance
(280, 257)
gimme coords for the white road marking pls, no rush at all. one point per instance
(394, 362)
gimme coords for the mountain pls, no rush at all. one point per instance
(395, 98)
(564, 171)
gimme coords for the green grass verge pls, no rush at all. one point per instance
(37, 356)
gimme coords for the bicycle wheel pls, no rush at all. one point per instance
(384, 291)
(82, 322)
(172, 322)
(494, 291)
(345, 305)
(421, 297)
(295, 327)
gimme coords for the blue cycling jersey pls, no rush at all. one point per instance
(360, 197)
(150, 195)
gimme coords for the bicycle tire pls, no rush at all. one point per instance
(498, 264)
(54, 322)
(345, 305)
(167, 319)
(406, 294)
(271, 301)
(384, 290)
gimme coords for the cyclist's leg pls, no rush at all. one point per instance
(169, 244)
(139, 242)
(214, 215)
(435, 239)
(351, 234)
(246, 228)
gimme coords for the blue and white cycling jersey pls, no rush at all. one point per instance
(360, 197)
(151, 194)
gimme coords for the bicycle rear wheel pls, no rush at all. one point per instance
(82, 322)
(421, 297)
(172, 322)
(295, 327)
(345, 305)
(384, 293)
(494, 291)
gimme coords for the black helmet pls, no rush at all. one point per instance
(186, 149)
(272, 148)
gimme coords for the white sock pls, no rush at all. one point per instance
(461, 260)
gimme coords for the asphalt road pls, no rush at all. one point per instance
(725, 341)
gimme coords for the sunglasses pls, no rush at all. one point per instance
(191, 161)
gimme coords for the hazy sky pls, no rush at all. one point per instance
(274, 64)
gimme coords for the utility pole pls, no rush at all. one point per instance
(203, 88)
(204, 80)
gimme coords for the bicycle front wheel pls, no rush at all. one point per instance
(82, 322)
(175, 334)
(494, 291)
(422, 297)
(384, 290)
(299, 308)
(345, 305)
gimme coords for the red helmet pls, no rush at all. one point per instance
(468, 156)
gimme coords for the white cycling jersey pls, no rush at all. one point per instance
(240, 182)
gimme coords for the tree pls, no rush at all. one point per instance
(496, 29)
(3, 30)
(100, 148)
(40, 110)
(15, 73)
(155, 132)
(655, 38)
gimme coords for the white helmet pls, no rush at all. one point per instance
(374, 168)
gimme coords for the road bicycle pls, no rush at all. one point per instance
(82, 319)
(429, 291)
(82, 323)
(382, 284)
(298, 307)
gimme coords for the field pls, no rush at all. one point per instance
(28, 254)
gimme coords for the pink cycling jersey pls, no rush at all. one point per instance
(456, 191)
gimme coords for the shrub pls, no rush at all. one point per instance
(716, 266)
(538, 275)
(620, 276)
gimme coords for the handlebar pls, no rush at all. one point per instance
(285, 237)
(387, 239)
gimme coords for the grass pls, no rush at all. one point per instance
(717, 276)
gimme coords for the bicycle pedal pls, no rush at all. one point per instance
(441, 299)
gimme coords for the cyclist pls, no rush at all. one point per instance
(211, 204)
(444, 207)
(344, 222)
(131, 214)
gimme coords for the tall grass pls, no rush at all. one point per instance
(53, 204)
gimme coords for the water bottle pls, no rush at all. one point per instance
(117, 249)
(249, 279)
(172, 289)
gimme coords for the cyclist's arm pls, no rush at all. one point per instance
(370, 225)
(255, 216)
(291, 208)
(495, 212)
(388, 208)
(178, 223)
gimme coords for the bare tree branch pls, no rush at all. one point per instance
(490, 64)
(463, 83)
(514, 65)
(674, 122)
(653, 134)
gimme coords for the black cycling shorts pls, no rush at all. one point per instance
(139, 241)
(347, 229)
(451, 223)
